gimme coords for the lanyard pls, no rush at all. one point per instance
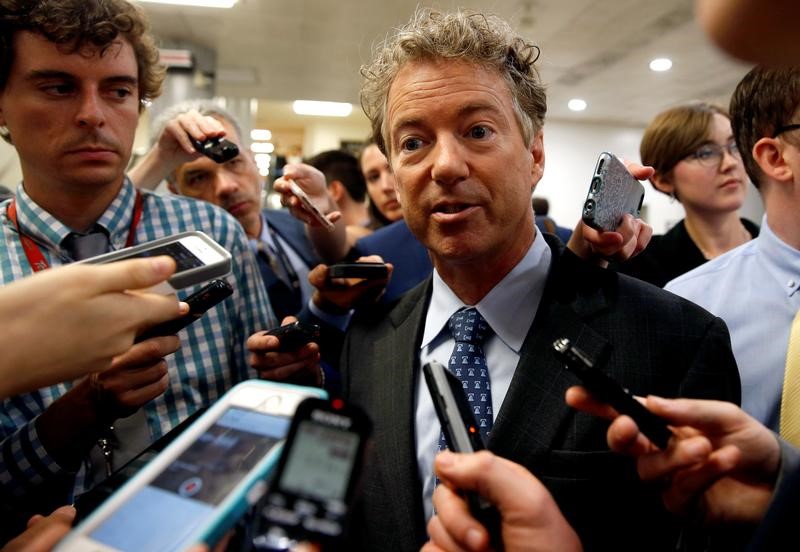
(283, 258)
(34, 254)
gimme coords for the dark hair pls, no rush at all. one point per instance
(764, 100)
(675, 133)
(344, 167)
(74, 25)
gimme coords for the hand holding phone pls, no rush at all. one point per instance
(613, 192)
(607, 390)
(298, 192)
(295, 335)
(365, 270)
(198, 302)
(217, 149)
(197, 256)
(462, 435)
(315, 482)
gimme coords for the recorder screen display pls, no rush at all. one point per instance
(184, 258)
(320, 462)
(162, 514)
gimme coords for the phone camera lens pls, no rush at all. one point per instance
(588, 207)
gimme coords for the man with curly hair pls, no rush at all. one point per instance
(456, 103)
(74, 75)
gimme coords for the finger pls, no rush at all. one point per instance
(688, 485)
(624, 437)
(442, 538)
(578, 397)
(261, 343)
(129, 274)
(144, 394)
(455, 528)
(681, 454)
(287, 370)
(708, 416)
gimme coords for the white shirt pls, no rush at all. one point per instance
(509, 308)
(754, 289)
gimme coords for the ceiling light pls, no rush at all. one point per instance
(196, 3)
(323, 109)
(576, 104)
(661, 64)
(262, 147)
(261, 134)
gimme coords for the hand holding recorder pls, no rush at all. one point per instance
(287, 353)
(720, 465)
(340, 287)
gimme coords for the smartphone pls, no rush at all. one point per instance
(199, 303)
(367, 271)
(199, 258)
(312, 490)
(217, 149)
(308, 204)
(295, 335)
(204, 481)
(462, 435)
(613, 192)
(609, 391)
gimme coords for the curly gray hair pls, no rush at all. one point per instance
(482, 39)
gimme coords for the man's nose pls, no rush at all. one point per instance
(90, 111)
(449, 162)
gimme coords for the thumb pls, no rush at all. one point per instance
(133, 273)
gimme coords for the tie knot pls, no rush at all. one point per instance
(84, 246)
(468, 326)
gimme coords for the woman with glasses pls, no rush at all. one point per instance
(696, 161)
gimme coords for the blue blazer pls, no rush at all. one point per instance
(397, 245)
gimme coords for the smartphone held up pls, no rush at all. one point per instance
(613, 192)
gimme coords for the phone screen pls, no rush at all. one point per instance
(320, 462)
(166, 512)
(184, 258)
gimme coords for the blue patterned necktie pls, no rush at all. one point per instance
(468, 362)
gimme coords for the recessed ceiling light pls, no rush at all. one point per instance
(661, 64)
(196, 3)
(262, 147)
(576, 104)
(323, 109)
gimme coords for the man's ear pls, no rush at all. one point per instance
(537, 158)
(768, 153)
(662, 184)
(337, 190)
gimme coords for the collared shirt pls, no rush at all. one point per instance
(298, 264)
(509, 308)
(754, 289)
(212, 357)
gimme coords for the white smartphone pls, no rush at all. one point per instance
(199, 258)
(203, 482)
(298, 192)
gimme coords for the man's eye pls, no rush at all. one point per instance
(411, 144)
(479, 132)
(59, 89)
(121, 93)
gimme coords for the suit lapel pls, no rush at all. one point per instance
(398, 353)
(534, 412)
(294, 235)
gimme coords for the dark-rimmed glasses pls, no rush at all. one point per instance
(710, 155)
(785, 128)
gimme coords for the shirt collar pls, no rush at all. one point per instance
(40, 225)
(509, 308)
(781, 260)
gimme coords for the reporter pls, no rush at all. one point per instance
(71, 321)
(530, 517)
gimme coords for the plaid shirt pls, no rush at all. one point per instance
(211, 359)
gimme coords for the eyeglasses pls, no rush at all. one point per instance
(710, 155)
(785, 128)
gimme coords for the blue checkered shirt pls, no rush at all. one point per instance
(212, 357)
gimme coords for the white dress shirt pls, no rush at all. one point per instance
(509, 308)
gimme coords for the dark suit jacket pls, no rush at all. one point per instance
(397, 245)
(649, 340)
(294, 233)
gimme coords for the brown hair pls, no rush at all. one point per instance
(764, 100)
(485, 40)
(77, 24)
(676, 133)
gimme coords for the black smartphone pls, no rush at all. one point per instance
(313, 487)
(613, 192)
(462, 435)
(218, 149)
(199, 303)
(609, 391)
(367, 271)
(295, 335)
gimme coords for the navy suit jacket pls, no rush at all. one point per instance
(293, 232)
(647, 339)
(397, 245)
